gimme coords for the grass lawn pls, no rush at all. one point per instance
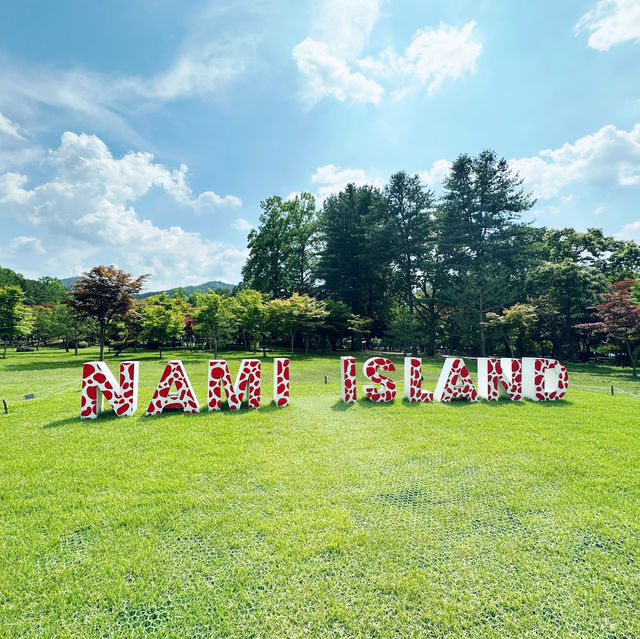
(318, 520)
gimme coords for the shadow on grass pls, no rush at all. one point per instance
(76, 419)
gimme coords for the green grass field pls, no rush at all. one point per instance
(318, 520)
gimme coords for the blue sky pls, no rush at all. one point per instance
(145, 134)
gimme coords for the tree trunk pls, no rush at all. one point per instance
(633, 357)
(293, 337)
(75, 340)
(4, 351)
(101, 338)
(431, 349)
(215, 348)
(160, 351)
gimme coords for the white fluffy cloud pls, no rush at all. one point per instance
(242, 225)
(345, 25)
(629, 231)
(7, 127)
(332, 179)
(26, 245)
(433, 177)
(607, 157)
(330, 75)
(433, 57)
(611, 22)
(445, 53)
(87, 206)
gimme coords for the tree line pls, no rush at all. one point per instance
(459, 272)
(395, 267)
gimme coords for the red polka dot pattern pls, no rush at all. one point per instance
(387, 390)
(281, 381)
(413, 390)
(183, 397)
(98, 384)
(500, 378)
(348, 379)
(247, 380)
(455, 382)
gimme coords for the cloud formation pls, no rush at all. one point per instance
(330, 75)
(611, 22)
(88, 205)
(332, 179)
(608, 157)
(433, 57)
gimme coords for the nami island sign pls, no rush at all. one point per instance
(535, 378)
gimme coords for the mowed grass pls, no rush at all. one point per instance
(318, 520)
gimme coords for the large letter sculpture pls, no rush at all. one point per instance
(248, 380)
(98, 384)
(387, 390)
(545, 379)
(413, 390)
(500, 378)
(184, 397)
(454, 382)
(348, 379)
(281, 381)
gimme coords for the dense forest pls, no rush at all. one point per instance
(390, 268)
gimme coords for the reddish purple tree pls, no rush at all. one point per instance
(619, 319)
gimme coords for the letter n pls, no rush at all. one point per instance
(98, 384)
(500, 378)
(248, 380)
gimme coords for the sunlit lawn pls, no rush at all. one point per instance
(317, 520)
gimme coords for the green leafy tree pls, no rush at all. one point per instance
(355, 259)
(568, 289)
(481, 236)
(162, 319)
(513, 324)
(409, 212)
(213, 318)
(282, 249)
(299, 314)
(45, 325)
(249, 314)
(16, 319)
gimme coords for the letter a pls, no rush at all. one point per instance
(184, 397)
(455, 381)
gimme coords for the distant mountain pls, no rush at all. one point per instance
(187, 290)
